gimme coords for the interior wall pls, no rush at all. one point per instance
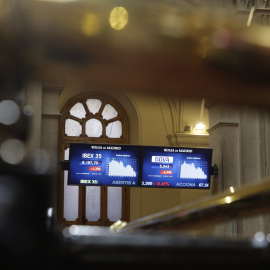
(158, 118)
(152, 120)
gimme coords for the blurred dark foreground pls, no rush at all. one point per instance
(32, 45)
(30, 239)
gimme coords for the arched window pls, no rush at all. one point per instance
(92, 118)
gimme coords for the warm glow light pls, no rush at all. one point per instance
(200, 126)
(9, 112)
(228, 199)
(232, 189)
(118, 18)
(90, 25)
(250, 15)
(12, 151)
(50, 212)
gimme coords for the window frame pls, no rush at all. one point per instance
(65, 140)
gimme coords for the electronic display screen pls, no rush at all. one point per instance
(98, 164)
(176, 167)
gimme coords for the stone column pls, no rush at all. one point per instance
(49, 132)
(238, 136)
(254, 160)
(33, 97)
(225, 141)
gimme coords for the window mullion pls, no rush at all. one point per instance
(74, 118)
(103, 202)
(113, 120)
(101, 108)
(86, 108)
(83, 129)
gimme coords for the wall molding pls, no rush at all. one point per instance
(48, 115)
(188, 140)
(46, 87)
(222, 124)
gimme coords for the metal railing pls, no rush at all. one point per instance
(247, 200)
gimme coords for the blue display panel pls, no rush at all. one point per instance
(175, 167)
(98, 164)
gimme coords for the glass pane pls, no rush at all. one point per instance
(114, 206)
(93, 203)
(93, 105)
(72, 128)
(114, 129)
(66, 154)
(78, 110)
(109, 112)
(93, 128)
(71, 202)
(71, 197)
